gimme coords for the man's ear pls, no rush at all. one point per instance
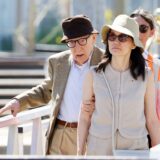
(94, 37)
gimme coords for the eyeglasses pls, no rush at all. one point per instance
(81, 42)
(121, 37)
(143, 28)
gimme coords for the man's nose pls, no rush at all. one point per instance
(77, 45)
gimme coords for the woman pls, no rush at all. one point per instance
(147, 29)
(147, 26)
(124, 95)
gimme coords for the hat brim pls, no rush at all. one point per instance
(64, 38)
(120, 29)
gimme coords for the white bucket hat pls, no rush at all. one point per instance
(123, 24)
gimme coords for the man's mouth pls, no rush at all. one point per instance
(79, 55)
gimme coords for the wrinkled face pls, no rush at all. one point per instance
(147, 34)
(81, 47)
(120, 44)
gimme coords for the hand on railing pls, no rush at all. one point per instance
(12, 105)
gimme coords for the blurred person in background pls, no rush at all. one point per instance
(157, 19)
(66, 71)
(147, 30)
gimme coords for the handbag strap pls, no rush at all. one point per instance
(113, 106)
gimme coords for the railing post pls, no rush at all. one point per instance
(12, 144)
(37, 139)
(15, 141)
(20, 140)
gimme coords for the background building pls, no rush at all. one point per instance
(26, 25)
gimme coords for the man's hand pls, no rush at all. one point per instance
(12, 105)
(89, 106)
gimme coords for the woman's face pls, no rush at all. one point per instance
(143, 37)
(120, 44)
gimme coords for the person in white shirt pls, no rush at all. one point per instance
(66, 71)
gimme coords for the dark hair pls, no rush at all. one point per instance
(148, 17)
(137, 62)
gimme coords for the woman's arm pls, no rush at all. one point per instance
(153, 124)
(85, 116)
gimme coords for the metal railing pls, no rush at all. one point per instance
(17, 125)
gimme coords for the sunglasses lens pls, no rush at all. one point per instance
(112, 37)
(143, 28)
(121, 37)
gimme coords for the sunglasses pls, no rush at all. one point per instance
(143, 28)
(121, 37)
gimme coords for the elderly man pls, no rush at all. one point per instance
(66, 71)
